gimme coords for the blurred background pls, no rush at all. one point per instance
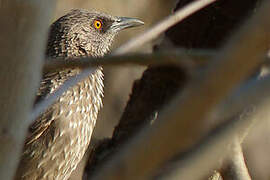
(119, 80)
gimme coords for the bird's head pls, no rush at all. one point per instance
(85, 33)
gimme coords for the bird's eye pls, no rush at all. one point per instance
(97, 24)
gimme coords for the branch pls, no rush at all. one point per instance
(238, 162)
(162, 26)
(180, 57)
(202, 94)
(207, 154)
(43, 105)
(23, 36)
(236, 169)
(216, 144)
(250, 98)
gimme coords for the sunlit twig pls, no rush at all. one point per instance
(181, 57)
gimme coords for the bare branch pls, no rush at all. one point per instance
(236, 168)
(208, 153)
(250, 98)
(199, 162)
(23, 35)
(239, 162)
(43, 105)
(201, 96)
(181, 57)
(162, 26)
(216, 145)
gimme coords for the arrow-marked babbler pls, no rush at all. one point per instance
(59, 137)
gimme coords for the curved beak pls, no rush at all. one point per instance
(125, 22)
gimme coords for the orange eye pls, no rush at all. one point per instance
(97, 24)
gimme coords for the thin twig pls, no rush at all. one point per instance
(43, 105)
(254, 94)
(186, 116)
(236, 168)
(238, 161)
(181, 57)
(199, 162)
(246, 98)
(162, 26)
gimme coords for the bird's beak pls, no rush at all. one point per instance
(125, 22)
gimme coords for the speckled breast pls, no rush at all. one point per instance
(69, 133)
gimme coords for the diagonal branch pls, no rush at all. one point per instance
(162, 26)
(236, 168)
(43, 105)
(215, 146)
(251, 97)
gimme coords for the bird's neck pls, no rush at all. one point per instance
(75, 46)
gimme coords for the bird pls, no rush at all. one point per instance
(59, 137)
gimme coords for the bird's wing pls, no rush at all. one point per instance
(49, 84)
